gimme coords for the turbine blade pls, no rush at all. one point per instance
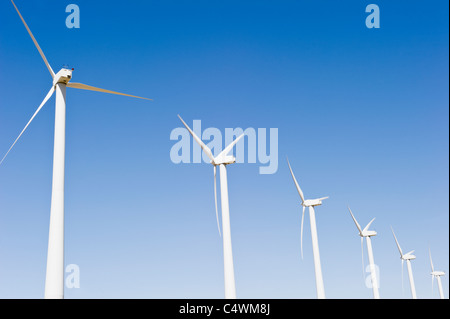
(301, 231)
(322, 198)
(199, 141)
(368, 225)
(35, 42)
(82, 86)
(215, 200)
(432, 285)
(49, 94)
(431, 261)
(354, 219)
(296, 184)
(362, 258)
(398, 246)
(403, 290)
(229, 147)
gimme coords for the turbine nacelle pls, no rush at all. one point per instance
(368, 233)
(226, 159)
(408, 256)
(313, 202)
(437, 273)
(63, 76)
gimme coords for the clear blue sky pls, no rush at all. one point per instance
(361, 113)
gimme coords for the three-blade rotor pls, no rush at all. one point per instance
(222, 158)
(406, 256)
(305, 203)
(434, 274)
(362, 233)
(55, 82)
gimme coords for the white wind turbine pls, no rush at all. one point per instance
(315, 243)
(222, 160)
(366, 233)
(436, 274)
(408, 257)
(54, 281)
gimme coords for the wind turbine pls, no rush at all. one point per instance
(436, 274)
(54, 281)
(366, 233)
(408, 257)
(311, 203)
(222, 160)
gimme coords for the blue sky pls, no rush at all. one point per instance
(361, 113)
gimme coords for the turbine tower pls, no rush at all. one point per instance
(366, 233)
(407, 257)
(222, 160)
(311, 203)
(436, 274)
(54, 281)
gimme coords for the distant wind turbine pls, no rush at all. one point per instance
(408, 257)
(436, 274)
(54, 282)
(222, 160)
(315, 243)
(366, 233)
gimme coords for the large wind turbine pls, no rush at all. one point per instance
(366, 233)
(436, 274)
(54, 282)
(222, 160)
(315, 243)
(408, 257)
